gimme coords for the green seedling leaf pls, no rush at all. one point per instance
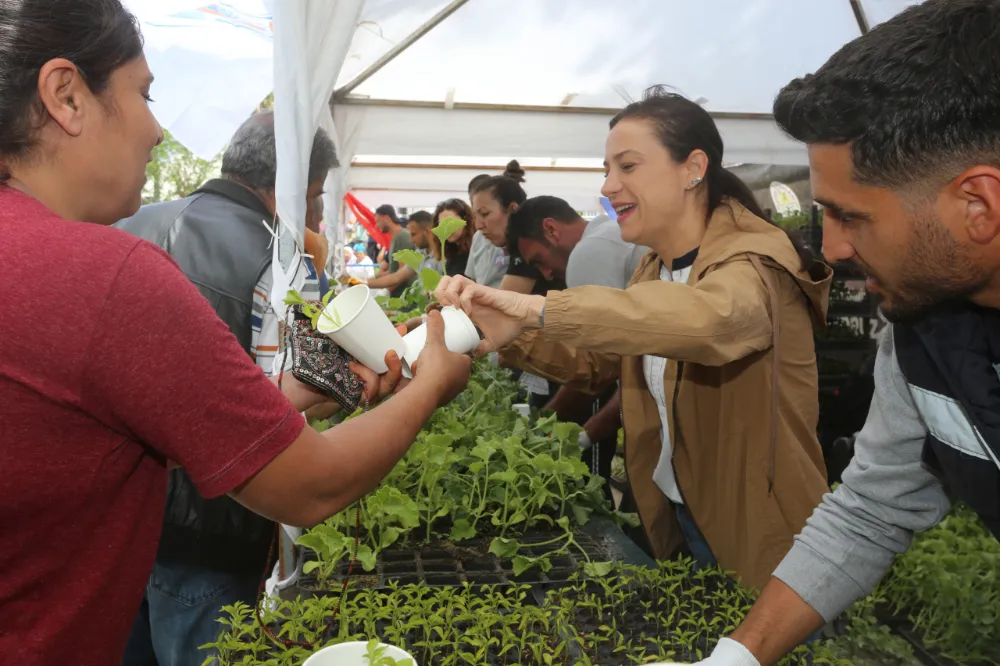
(410, 258)
(446, 227)
(630, 519)
(581, 514)
(367, 558)
(598, 569)
(310, 566)
(504, 547)
(430, 278)
(462, 530)
(522, 564)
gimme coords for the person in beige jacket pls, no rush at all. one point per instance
(713, 342)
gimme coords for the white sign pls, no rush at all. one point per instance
(785, 201)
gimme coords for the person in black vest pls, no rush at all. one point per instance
(213, 552)
(903, 131)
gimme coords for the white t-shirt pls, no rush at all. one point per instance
(653, 369)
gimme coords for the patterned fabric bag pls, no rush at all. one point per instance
(320, 363)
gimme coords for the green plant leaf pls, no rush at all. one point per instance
(367, 557)
(598, 569)
(504, 547)
(522, 564)
(462, 530)
(410, 258)
(430, 278)
(446, 227)
(581, 514)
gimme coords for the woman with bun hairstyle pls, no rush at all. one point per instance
(713, 342)
(493, 200)
(487, 263)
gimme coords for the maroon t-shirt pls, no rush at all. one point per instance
(111, 363)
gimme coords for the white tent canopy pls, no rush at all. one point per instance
(423, 80)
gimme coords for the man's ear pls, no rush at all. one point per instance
(552, 230)
(977, 194)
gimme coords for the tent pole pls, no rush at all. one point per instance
(862, 18)
(392, 53)
(478, 106)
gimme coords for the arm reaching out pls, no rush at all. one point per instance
(852, 538)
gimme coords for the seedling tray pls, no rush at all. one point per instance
(901, 626)
(453, 564)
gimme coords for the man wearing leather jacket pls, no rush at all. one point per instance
(213, 552)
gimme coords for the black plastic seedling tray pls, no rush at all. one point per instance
(446, 563)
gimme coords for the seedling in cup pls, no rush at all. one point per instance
(313, 311)
(357, 324)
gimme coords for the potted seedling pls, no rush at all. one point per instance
(356, 323)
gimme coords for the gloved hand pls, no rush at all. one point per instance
(585, 443)
(730, 653)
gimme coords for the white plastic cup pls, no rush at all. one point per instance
(460, 336)
(353, 654)
(523, 409)
(365, 331)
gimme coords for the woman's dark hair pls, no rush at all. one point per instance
(464, 244)
(98, 36)
(474, 183)
(684, 127)
(506, 189)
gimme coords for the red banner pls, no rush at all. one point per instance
(367, 219)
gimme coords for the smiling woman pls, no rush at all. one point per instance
(712, 343)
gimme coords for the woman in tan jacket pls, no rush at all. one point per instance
(713, 342)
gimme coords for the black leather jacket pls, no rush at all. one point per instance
(218, 239)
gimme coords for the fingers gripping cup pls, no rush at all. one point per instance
(359, 326)
(460, 336)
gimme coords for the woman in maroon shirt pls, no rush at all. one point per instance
(112, 364)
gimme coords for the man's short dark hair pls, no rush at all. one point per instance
(388, 211)
(917, 98)
(252, 156)
(526, 221)
(422, 217)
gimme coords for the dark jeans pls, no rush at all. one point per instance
(183, 600)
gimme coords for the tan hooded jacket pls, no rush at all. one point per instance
(745, 452)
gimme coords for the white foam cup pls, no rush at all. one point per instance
(460, 336)
(365, 331)
(353, 654)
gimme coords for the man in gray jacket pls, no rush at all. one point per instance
(903, 130)
(213, 552)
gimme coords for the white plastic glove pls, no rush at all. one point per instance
(730, 653)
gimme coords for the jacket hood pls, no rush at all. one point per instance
(734, 231)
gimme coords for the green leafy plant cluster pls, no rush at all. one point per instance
(637, 617)
(416, 297)
(477, 469)
(314, 312)
(948, 584)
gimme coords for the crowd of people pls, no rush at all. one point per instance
(151, 441)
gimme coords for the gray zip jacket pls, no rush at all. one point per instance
(887, 494)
